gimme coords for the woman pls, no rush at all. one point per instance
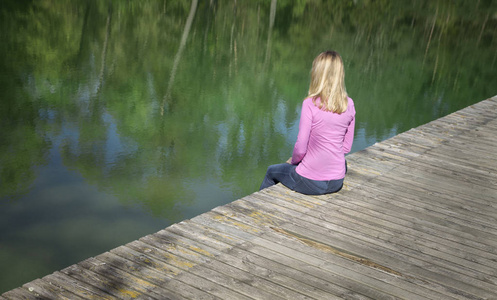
(326, 133)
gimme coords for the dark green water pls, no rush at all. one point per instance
(119, 118)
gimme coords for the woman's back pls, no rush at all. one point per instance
(324, 138)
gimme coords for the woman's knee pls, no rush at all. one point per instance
(279, 168)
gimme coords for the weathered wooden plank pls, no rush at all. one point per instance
(49, 290)
(443, 155)
(311, 251)
(442, 131)
(474, 143)
(358, 209)
(141, 266)
(418, 242)
(282, 275)
(477, 231)
(402, 144)
(353, 179)
(359, 173)
(482, 134)
(458, 210)
(326, 219)
(165, 259)
(354, 208)
(365, 166)
(436, 179)
(460, 122)
(468, 177)
(225, 273)
(412, 263)
(249, 284)
(455, 260)
(379, 161)
(486, 196)
(421, 139)
(205, 284)
(479, 136)
(420, 225)
(114, 288)
(335, 281)
(23, 294)
(381, 155)
(77, 287)
(478, 111)
(473, 148)
(396, 150)
(288, 195)
(485, 130)
(167, 270)
(466, 126)
(220, 273)
(480, 153)
(491, 124)
(125, 280)
(141, 271)
(168, 275)
(436, 195)
(282, 239)
(293, 197)
(317, 233)
(338, 284)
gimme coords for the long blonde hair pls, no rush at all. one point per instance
(328, 82)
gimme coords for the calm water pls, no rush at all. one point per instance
(119, 118)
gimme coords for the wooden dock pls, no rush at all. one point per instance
(417, 219)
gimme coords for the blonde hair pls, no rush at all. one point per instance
(328, 82)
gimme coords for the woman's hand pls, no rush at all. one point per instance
(289, 161)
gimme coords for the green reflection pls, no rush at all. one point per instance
(162, 105)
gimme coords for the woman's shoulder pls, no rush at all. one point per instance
(350, 106)
(308, 100)
(350, 102)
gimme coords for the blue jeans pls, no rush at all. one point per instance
(286, 174)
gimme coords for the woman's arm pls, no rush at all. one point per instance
(349, 137)
(305, 124)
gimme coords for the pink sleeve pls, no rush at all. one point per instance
(305, 124)
(349, 135)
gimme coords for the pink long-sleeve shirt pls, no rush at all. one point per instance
(323, 140)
